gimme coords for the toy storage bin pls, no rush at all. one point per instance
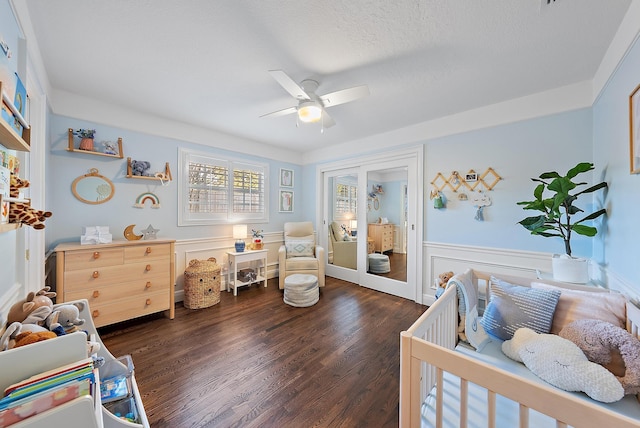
(201, 284)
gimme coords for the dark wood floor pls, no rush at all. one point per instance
(253, 361)
(398, 265)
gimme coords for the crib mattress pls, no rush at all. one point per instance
(507, 411)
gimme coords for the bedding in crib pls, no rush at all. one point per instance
(507, 412)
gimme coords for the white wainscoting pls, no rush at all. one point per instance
(439, 257)
(204, 248)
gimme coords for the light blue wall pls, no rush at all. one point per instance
(70, 215)
(619, 249)
(517, 152)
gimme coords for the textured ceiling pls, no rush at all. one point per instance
(206, 62)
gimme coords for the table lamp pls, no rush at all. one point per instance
(239, 234)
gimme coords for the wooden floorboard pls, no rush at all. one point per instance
(253, 361)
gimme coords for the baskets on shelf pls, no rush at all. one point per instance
(201, 284)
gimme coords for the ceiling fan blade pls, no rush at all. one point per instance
(327, 121)
(345, 96)
(282, 112)
(289, 84)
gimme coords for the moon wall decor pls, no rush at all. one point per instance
(128, 233)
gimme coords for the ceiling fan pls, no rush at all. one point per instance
(312, 107)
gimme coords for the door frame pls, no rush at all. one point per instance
(413, 155)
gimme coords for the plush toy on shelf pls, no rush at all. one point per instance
(21, 212)
(140, 168)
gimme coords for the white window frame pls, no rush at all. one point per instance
(351, 200)
(230, 214)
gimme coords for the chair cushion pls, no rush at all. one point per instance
(300, 247)
(301, 263)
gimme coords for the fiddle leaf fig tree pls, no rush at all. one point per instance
(558, 207)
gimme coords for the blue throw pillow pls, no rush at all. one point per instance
(513, 306)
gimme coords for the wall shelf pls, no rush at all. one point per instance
(72, 148)
(10, 138)
(8, 227)
(159, 176)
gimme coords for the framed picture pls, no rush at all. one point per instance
(634, 131)
(471, 177)
(286, 201)
(286, 177)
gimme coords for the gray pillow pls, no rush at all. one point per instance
(513, 306)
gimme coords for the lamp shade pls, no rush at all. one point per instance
(239, 231)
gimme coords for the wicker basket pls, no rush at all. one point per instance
(202, 284)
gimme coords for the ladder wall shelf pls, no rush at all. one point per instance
(8, 136)
(72, 148)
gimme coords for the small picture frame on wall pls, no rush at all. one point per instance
(286, 201)
(634, 131)
(471, 177)
(286, 177)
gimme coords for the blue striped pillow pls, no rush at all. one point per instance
(513, 306)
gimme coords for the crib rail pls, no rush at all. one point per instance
(437, 325)
(427, 351)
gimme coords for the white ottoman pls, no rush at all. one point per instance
(301, 290)
(379, 263)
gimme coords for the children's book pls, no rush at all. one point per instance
(44, 400)
(48, 379)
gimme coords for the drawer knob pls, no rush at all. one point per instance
(148, 250)
(96, 274)
(95, 313)
(96, 294)
(148, 268)
(148, 302)
(96, 255)
(148, 284)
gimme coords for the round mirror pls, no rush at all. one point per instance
(93, 188)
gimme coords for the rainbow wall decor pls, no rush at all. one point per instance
(148, 196)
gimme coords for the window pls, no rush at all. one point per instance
(215, 190)
(346, 200)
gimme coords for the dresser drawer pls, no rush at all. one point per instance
(107, 275)
(75, 260)
(141, 253)
(101, 294)
(124, 309)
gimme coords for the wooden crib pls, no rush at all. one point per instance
(427, 352)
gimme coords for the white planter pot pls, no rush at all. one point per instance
(570, 269)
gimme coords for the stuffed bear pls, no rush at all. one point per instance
(443, 279)
(561, 363)
(20, 212)
(67, 316)
(140, 168)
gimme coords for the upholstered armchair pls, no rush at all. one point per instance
(300, 254)
(344, 251)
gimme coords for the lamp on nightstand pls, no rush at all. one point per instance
(239, 234)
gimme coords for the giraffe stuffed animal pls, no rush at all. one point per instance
(20, 212)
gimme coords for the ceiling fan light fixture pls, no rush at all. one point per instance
(309, 111)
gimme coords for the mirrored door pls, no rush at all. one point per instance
(388, 260)
(341, 225)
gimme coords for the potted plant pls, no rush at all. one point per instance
(257, 239)
(86, 138)
(556, 220)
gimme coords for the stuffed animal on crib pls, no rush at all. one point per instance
(602, 342)
(443, 279)
(22, 212)
(561, 363)
(67, 316)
